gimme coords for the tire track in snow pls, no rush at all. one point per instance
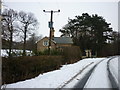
(111, 77)
(63, 85)
(83, 81)
(67, 82)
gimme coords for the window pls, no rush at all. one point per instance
(45, 43)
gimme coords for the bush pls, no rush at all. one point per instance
(71, 54)
(21, 68)
(109, 50)
(46, 52)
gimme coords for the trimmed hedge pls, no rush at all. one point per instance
(72, 54)
(21, 68)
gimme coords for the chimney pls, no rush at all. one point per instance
(52, 33)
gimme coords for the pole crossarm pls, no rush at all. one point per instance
(51, 11)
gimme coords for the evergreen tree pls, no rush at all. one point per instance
(88, 32)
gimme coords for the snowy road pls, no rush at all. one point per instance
(98, 77)
(103, 80)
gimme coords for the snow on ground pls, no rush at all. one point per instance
(79, 77)
(16, 52)
(4, 53)
(55, 78)
(99, 78)
(114, 68)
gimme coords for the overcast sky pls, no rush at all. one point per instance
(107, 9)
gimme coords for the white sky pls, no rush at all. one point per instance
(107, 8)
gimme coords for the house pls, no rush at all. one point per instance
(56, 42)
(59, 43)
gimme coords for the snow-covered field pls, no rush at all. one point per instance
(15, 52)
(57, 78)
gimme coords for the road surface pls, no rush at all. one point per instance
(98, 77)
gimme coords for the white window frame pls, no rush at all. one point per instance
(45, 43)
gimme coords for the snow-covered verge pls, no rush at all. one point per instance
(113, 65)
(56, 78)
(15, 52)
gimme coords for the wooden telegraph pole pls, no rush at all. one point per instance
(50, 26)
(0, 46)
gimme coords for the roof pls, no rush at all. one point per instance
(41, 39)
(63, 40)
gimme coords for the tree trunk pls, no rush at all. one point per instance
(24, 45)
(0, 57)
(10, 42)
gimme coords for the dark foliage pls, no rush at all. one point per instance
(22, 68)
(88, 32)
(71, 54)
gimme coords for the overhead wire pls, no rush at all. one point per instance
(57, 5)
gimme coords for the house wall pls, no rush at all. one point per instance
(61, 46)
(41, 47)
(64, 45)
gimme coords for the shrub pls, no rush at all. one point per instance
(46, 52)
(21, 68)
(71, 54)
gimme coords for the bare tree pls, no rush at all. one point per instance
(28, 24)
(31, 42)
(8, 26)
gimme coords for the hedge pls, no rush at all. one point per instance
(21, 68)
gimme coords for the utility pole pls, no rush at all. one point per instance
(50, 26)
(0, 46)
